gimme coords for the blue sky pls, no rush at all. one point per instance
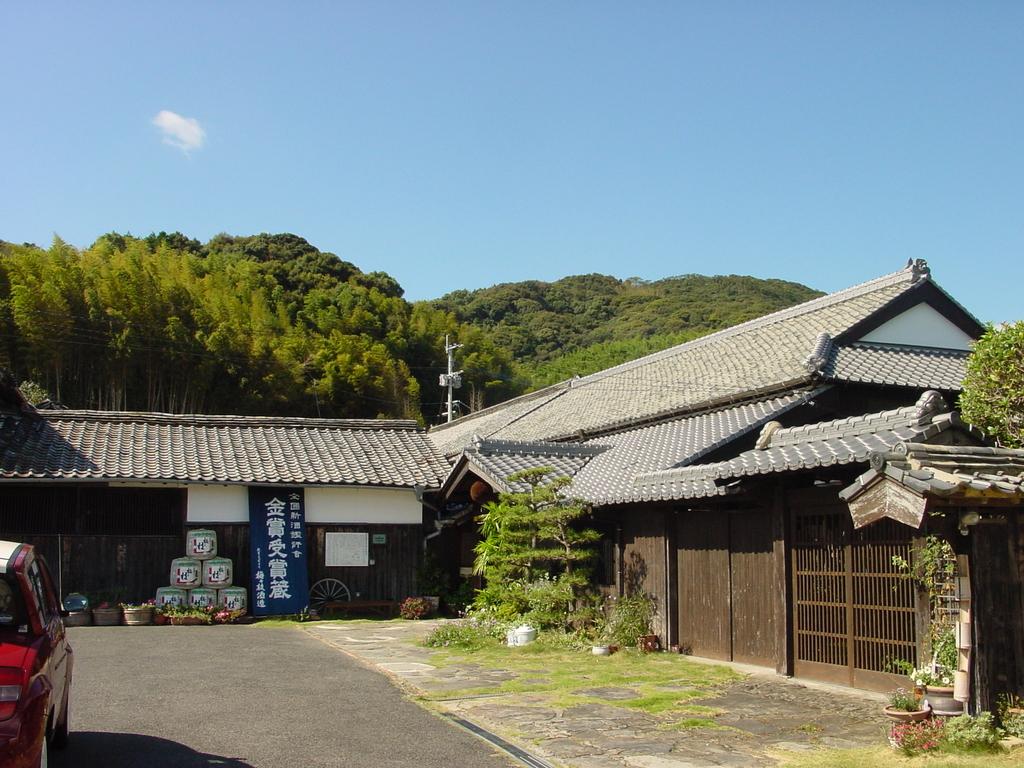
(458, 145)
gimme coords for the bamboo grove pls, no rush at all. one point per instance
(251, 325)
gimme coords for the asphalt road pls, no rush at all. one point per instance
(241, 697)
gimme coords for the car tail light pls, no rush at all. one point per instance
(10, 690)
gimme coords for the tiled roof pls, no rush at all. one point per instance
(898, 365)
(841, 441)
(608, 478)
(94, 445)
(758, 358)
(498, 459)
(947, 471)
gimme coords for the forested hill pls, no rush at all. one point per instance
(269, 324)
(584, 323)
(253, 325)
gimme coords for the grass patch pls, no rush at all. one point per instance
(884, 757)
(664, 683)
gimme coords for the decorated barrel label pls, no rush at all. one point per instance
(217, 573)
(201, 544)
(186, 572)
(201, 597)
(171, 596)
(233, 598)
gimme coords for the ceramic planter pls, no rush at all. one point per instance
(78, 619)
(106, 617)
(136, 617)
(902, 716)
(940, 699)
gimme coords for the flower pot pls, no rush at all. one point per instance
(940, 698)
(137, 617)
(106, 617)
(902, 716)
(78, 619)
(159, 619)
(186, 621)
(649, 643)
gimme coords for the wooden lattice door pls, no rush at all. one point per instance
(853, 610)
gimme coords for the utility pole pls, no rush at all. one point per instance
(453, 379)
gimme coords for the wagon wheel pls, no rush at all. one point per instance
(328, 591)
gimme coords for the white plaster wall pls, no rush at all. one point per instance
(230, 504)
(363, 505)
(922, 326)
(218, 504)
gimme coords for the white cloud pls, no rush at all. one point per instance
(185, 133)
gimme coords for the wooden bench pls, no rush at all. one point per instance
(386, 608)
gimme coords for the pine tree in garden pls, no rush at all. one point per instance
(534, 553)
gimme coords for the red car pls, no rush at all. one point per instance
(35, 660)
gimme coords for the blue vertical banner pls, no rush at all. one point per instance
(277, 544)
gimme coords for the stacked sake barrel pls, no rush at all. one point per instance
(201, 579)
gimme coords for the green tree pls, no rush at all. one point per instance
(993, 389)
(534, 552)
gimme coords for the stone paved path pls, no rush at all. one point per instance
(762, 712)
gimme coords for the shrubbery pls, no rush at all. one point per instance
(968, 733)
(629, 618)
(965, 733)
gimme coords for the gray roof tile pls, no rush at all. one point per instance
(498, 459)
(757, 358)
(948, 471)
(608, 478)
(96, 445)
(841, 441)
(897, 365)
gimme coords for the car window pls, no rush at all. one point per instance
(12, 606)
(35, 580)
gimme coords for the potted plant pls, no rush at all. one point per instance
(106, 615)
(1011, 714)
(904, 707)
(415, 608)
(78, 612)
(227, 616)
(933, 568)
(186, 616)
(936, 680)
(138, 614)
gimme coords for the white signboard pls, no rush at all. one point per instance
(347, 549)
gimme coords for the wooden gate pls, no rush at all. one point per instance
(853, 610)
(724, 570)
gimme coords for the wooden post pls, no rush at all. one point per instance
(781, 578)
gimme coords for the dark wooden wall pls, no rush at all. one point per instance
(115, 568)
(112, 544)
(705, 611)
(997, 595)
(393, 573)
(725, 577)
(118, 543)
(644, 564)
(391, 577)
(751, 564)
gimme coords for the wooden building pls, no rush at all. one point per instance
(107, 497)
(715, 468)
